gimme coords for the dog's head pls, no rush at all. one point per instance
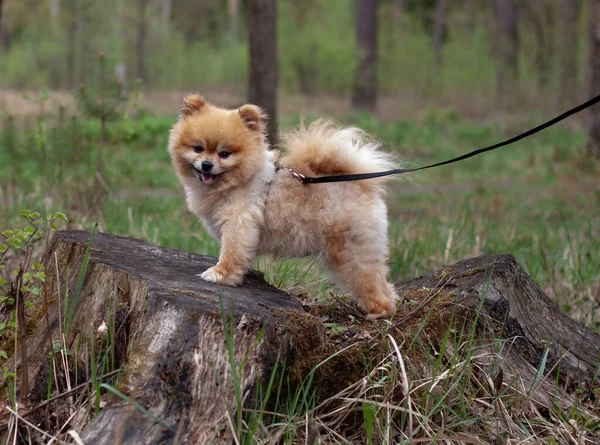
(215, 147)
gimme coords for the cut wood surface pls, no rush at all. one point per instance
(177, 363)
(173, 348)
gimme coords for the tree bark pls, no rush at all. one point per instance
(233, 11)
(83, 41)
(54, 6)
(71, 10)
(512, 306)
(170, 327)
(473, 11)
(593, 143)
(140, 46)
(165, 12)
(541, 17)
(571, 11)
(399, 6)
(1, 9)
(364, 95)
(264, 76)
(440, 27)
(508, 49)
(175, 332)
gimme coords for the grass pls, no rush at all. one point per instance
(538, 200)
(418, 394)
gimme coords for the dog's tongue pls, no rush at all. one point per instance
(207, 178)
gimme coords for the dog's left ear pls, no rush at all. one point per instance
(191, 103)
(254, 117)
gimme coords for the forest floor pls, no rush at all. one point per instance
(538, 200)
(392, 106)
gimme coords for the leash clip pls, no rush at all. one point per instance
(299, 176)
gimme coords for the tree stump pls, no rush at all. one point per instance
(176, 336)
(174, 349)
(509, 304)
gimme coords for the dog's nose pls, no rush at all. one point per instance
(207, 166)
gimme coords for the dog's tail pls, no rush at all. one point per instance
(326, 148)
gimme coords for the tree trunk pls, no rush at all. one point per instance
(71, 11)
(541, 17)
(508, 49)
(233, 10)
(593, 144)
(165, 12)
(140, 46)
(571, 10)
(440, 27)
(1, 9)
(399, 7)
(264, 77)
(54, 6)
(473, 11)
(179, 337)
(364, 95)
(83, 41)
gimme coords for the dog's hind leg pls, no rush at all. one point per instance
(358, 260)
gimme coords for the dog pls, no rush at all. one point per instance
(234, 183)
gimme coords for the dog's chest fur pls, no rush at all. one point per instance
(239, 206)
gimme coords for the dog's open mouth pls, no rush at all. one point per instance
(205, 178)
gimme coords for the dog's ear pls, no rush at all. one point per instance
(254, 117)
(191, 103)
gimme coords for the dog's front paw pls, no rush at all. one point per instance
(212, 274)
(215, 275)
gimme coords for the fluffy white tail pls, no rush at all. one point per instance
(326, 148)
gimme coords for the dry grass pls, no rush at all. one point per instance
(406, 105)
(432, 394)
(447, 399)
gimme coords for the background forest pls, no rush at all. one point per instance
(453, 50)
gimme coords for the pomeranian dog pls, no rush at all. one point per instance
(234, 183)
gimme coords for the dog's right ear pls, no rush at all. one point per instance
(254, 117)
(191, 103)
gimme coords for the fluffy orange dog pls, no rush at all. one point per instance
(232, 182)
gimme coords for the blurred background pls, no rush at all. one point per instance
(89, 90)
(471, 54)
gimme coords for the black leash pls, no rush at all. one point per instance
(359, 176)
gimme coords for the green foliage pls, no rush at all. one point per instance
(317, 47)
(20, 67)
(71, 303)
(317, 50)
(105, 100)
(368, 411)
(538, 200)
(21, 281)
(335, 328)
(543, 187)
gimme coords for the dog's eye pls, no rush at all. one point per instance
(224, 154)
(198, 148)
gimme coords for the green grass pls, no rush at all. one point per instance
(538, 200)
